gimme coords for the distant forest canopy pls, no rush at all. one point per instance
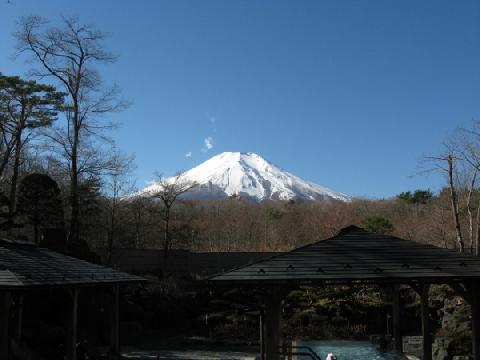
(63, 178)
(237, 225)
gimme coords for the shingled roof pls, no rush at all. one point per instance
(26, 266)
(357, 255)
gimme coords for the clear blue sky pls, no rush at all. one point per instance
(348, 94)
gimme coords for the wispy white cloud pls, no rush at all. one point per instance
(188, 154)
(207, 144)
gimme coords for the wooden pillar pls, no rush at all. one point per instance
(5, 302)
(19, 318)
(262, 334)
(427, 339)
(272, 324)
(475, 306)
(72, 323)
(397, 333)
(114, 352)
(290, 351)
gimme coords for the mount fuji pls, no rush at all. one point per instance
(250, 176)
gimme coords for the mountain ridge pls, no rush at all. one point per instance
(248, 175)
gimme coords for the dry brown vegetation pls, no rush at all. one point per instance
(236, 225)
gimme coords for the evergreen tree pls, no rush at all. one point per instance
(25, 105)
(378, 224)
(40, 203)
(422, 196)
(418, 196)
(405, 196)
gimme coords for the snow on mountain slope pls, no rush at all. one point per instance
(249, 176)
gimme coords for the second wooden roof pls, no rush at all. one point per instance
(356, 255)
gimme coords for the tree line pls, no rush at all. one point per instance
(241, 225)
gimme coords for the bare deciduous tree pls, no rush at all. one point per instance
(168, 190)
(471, 190)
(470, 141)
(446, 163)
(139, 206)
(118, 183)
(68, 54)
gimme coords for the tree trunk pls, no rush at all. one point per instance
(453, 197)
(6, 147)
(477, 237)
(470, 228)
(265, 239)
(470, 210)
(4, 162)
(111, 233)
(137, 232)
(74, 218)
(14, 181)
(166, 245)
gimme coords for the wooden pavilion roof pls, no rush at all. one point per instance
(356, 255)
(25, 266)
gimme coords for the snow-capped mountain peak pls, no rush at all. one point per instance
(248, 175)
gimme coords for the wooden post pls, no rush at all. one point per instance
(72, 323)
(115, 323)
(427, 340)
(272, 324)
(5, 302)
(475, 304)
(262, 335)
(18, 329)
(397, 333)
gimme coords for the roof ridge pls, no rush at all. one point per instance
(350, 228)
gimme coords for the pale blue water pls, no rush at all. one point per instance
(350, 350)
(345, 350)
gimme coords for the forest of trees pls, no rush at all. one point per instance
(63, 177)
(237, 225)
